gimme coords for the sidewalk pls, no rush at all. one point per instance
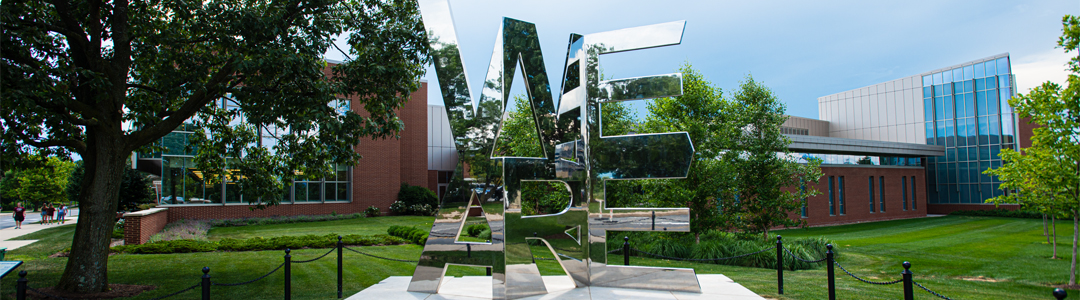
(8, 236)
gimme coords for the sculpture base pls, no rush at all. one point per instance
(713, 286)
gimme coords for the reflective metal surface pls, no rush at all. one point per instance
(575, 154)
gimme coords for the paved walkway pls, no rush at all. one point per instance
(713, 286)
(8, 233)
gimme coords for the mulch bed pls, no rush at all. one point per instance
(115, 291)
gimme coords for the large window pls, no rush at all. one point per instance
(871, 186)
(914, 198)
(843, 208)
(903, 185)
(832, 196)
(881, 191)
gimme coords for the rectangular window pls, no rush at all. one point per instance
(903, 185)
(872, 194)
(832, 196)
(914, 198)
(843, 209)
(802, 187)
(881, 192)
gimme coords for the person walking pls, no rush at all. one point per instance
(61, 213)
(19, 215)
(43, 213)
(51, 213)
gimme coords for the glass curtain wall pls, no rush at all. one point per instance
(967, 111)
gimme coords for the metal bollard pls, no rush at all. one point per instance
(654, 220)
(909, 291)
(20, 288)
(1060, 294)
(626, 251)
(779, 265)
(488, 271)
(288, 274)
(206, 283)
(468, 251)
(832, 273)
(339, 246)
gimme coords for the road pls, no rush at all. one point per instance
(7, 221)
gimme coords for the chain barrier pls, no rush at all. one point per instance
(251, 281)
(44, 294)
(178, 292)
(800, 259)
(616, 250)
(380, 257)
(703, 259)
(867, 281)
(929, 291)
(317, 258)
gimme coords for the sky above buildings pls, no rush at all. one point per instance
(800, 49)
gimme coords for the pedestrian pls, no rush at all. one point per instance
(51, 214)
(19, 215)
(43, 211)
(61, 213)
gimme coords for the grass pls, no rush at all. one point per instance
(1010, 255)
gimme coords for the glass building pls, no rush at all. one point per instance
(967, 111)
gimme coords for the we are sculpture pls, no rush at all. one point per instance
(576, 155)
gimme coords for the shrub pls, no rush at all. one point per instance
(399, 207)
(719, 244)
(413, 234)
(485, 235)
(183, 230)
(474, 230)
(258, 244)
(118, 229)
(280, 220)
(417, 200)
(371, 211)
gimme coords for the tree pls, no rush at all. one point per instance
(1047, 174)
(705, 115)
(765, 167)
(37, 186)
(76, 73)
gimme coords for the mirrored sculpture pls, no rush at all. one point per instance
(575, 154)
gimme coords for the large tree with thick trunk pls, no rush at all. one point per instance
(104, 79)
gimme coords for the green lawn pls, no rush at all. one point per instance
(1010, 255)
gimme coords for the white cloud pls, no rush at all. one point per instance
(1032, 70)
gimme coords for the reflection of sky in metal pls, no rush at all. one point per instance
(840, 45)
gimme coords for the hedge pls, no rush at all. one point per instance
(258, 244)
(413, 234)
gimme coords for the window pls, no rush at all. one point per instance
(843, 210)
(832, 196)
(914, 200)
(871, 194)
(802, 188)
(881, 191)
(903, 184)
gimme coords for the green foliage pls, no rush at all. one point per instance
(371, 211)
(257, 244)
(1001, 212)
(410, 233)
(475, 230)
(415, 200)
(118, 229)
(37, 185)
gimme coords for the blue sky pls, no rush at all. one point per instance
(800, 49)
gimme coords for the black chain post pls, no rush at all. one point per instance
(654, 220)
(832, 273)
(288, 275)
(488, 271)
(468, 251)
(909, 291)
(1060, 294)
(626, 251)
(206, 283)
(339, 245)
(20, 290)
(779, 265)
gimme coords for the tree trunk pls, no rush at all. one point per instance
(1053, 222)
(1044, 229)
(1076, 235)
(87, 267)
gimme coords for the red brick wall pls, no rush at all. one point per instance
(376, 178)
(138, 229)
(857, 194)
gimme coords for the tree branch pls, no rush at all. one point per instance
(78, 145)
(145, 87)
